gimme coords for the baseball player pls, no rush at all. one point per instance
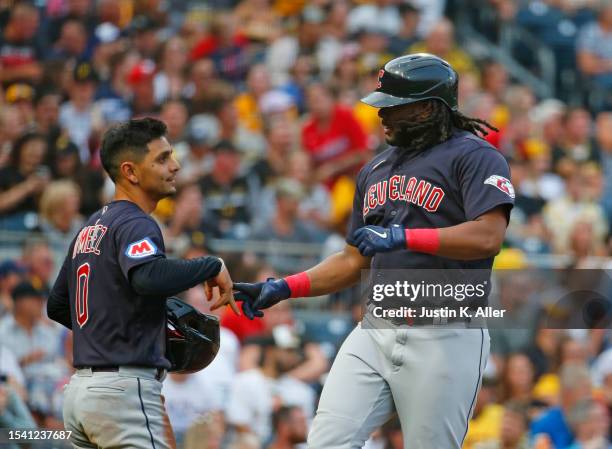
(438, 198)
(111, 291)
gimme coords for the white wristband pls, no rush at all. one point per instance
(222, 265)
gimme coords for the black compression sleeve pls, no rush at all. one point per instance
(58, 309)
(167, 277)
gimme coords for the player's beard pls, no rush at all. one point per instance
(413, 137)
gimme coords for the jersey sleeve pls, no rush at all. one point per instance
(138, 241)
(484, 181)
(356, 220)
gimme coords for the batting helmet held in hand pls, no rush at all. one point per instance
(413, 78)
(192, 338)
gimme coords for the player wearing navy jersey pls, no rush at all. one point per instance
(438, 197)
(111, 291)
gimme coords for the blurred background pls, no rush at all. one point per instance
(261, 102)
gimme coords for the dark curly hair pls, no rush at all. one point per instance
(438, 126)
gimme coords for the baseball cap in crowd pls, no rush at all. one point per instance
(9, 267)
(143, 71)
(142, 24)
(25, 289)
(285, 337)
(65, 147)
(202, 129)
(289, 188)
(225, 146)
(19, 92)
(275, 101)
(84, 72)
(107, 32)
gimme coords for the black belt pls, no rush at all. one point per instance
(158, 376)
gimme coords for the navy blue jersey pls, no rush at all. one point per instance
(448, 184)
(112, 324)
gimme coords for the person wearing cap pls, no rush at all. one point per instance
(202, 134)
(11, 274)
(78, 115)
(286, 226)
(28, 336)
(21, 95)
(140, 80)
(143, 30)
(254, 390)
(228, 194)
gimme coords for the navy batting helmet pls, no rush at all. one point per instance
(413, 78)
(192, 338)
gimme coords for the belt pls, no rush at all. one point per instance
(160, 372)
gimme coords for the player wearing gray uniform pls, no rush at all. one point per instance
(111, 291)
(439, 197)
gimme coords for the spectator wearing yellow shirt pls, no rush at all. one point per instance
(247, 103)
(486, 419)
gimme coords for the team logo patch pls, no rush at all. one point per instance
(141, 248)
(502, 184)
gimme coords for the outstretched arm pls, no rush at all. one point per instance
(336, 272)
(476, 239)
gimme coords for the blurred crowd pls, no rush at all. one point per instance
(261, 100)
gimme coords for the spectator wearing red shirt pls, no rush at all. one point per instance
(20, 53)
(333, 136)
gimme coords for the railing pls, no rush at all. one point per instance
(509, 36)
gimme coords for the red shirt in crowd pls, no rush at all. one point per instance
(343, 135)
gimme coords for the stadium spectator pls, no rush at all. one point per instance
(81, 10)
(518, 379)
(221, 371)
(286, 226)
(22, 182)
(12, 125)
(332, 136)
(35, 343)
(21, 52)
(201, 135)
(577, 144)
(594, 48)
(21, 95)
(144, 32)
(440, 41)
(189, 225)
(290, 428)
(206, 91)
(14, 413)
(513, 429)
(11, 273)
(574, 206)
(381, 14)
(227, 193)
(170, 81)
(59, 213)
(604, 141)
(407, 33)
(258, 391)
(72, 44)
(590, 423)
(37, 258)
(140, 79)
(78, 115)
(188, 397)
(485, 423)
(575, 386)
